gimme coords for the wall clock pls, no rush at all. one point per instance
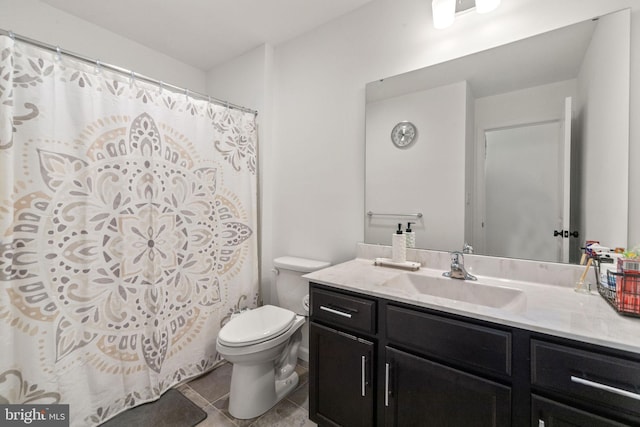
(403, 134)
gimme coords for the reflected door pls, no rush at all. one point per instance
(525, 191)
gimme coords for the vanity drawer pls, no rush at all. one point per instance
(453, 341)
(608, 382)
(343, 310)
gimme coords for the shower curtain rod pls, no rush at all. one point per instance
(124, 71)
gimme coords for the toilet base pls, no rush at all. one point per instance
(264, 392)
(284, 386)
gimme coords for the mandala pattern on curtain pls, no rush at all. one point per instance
(127, 233)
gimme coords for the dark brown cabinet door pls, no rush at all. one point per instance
(547, 413)
(341, 389)
(423, 393)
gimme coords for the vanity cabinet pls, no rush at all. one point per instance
(341, 360)
(379, 362)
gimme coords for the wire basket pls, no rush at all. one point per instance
(622, 291)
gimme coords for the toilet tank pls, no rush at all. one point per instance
(291, 288)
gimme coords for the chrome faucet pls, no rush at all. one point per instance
(457, 268)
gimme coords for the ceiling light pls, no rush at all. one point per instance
(443, 13)
(484, 6)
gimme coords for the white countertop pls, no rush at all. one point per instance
(550, 309)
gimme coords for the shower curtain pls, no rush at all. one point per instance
(127, 233)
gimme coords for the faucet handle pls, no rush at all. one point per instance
(457, 257)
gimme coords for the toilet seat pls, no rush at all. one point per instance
(256, 326)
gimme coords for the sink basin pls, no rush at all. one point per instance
(466, 291)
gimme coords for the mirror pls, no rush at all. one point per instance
(492, 127)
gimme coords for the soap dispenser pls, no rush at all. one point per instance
(410, 235)
(398, 246)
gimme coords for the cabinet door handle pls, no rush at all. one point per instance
(364, 381)
(334, 311)
(605, 387)
(386, 384)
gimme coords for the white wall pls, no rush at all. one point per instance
(248, 80)
(318, 171)
(39, 21)
(244, 80)
(536, 104)
(604, 133)
(428, 176)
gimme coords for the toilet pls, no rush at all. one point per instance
(263, 343)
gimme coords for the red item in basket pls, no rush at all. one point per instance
(628, 287)
(628, 284)
(629, 303)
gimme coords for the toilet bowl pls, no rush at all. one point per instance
(262, 344)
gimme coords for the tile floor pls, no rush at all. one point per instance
(211, 393)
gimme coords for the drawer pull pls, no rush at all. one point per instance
(605, 387)
(334, 311)
(364, 363)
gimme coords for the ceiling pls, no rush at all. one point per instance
(206, 33)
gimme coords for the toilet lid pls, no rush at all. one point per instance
(254, 326)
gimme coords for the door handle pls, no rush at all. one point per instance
(565, 233)
(386, 384)
(364, 373)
